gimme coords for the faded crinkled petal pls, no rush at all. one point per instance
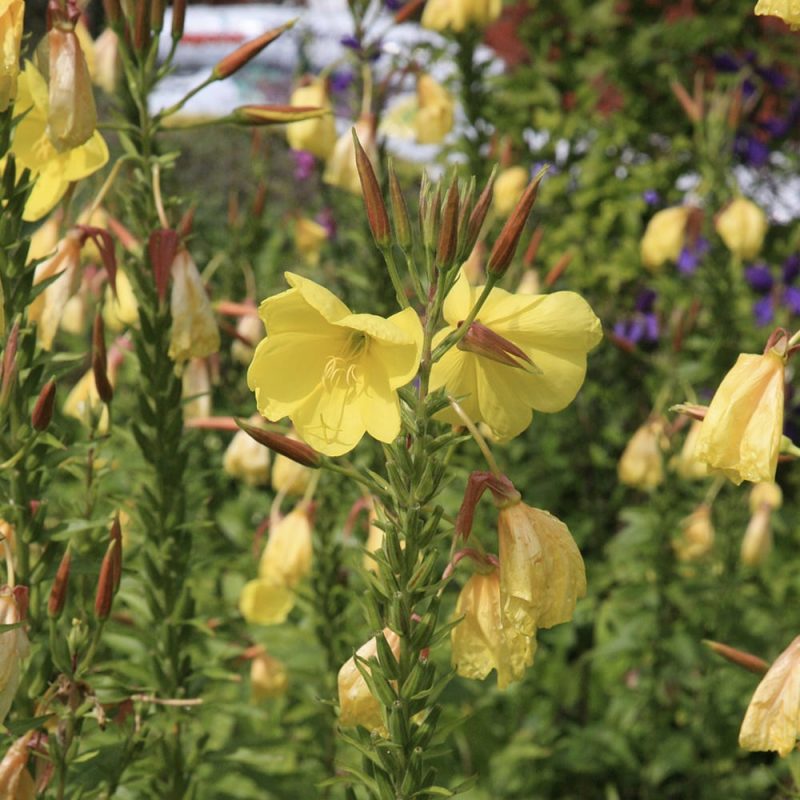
(287, 557)
(266, 603)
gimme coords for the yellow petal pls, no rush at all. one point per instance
(457, 371)
(330, 420)
(318, 297)
(459, 300)
(265, 603)
(380, 408)
(287, 557)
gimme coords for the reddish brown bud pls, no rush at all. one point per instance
(373, 199)
(105, 584)
(533, 247)
(249, 50)
(478, 215)
(105, 246)
(162, 249)
(506, 244)
(402, 225)
(157, 15)
(408, 10)
(558, 269)
(260, 199)
(9, 362)
(58, 592)
(99, 360)
(178, 18)
(477, 483)
(485, 342)
(141, 27)
(43, 410)
(739, 657)
(115, 536)
(186, 223)
(297, 451)
(113, 11)
(448, 229)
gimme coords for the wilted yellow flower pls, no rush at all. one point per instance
(772, 721)
(340, 169)
(13, 649)
(11, 14)
(51, 169)
(742, 226)
(246, 459)
(541, 569)
(787, 10)
(317, 135)
(434, 119)
(457, 15)
(641, 464)
(686, 463)
(108, 65)
(697, 534)
(554, 331)
(664, 236)
(357, 705)
(268, 677)
(196, 389)
(309, 236)
(120, 311)
(741, 433)
(484, 640)
(757, 541)
(75, 312)
(84, 403)
(16, 782)
(45, 239)
(508, 188)
(194, 329)
(768, 494)
(352, 367)
(251, 328)
(288, 476)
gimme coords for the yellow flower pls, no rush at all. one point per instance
(84, 403)
(741, 433)
(686, 463)
(664, 236)
(757, 540)
(288, 476)
(508, 189)
(541, 569)
(457, 15)
(13, 649)
(340, 169)
(268, 677)
(483, 640)
(742, 226)
(434, 119)
(357, 705)
(787, 10)
(51, 170)
(246, 459)
(352, 366)
(641, 464)
(11, 14)
(108, 65)
(697, 535)
(196, 389)
(120, 311)
(16, 782)
(772, 721)
(317, 135)
(309, 236)
(194, 331)
(554, 331)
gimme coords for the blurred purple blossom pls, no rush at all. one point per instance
(651, 197)
(691, 255)
(328, 221)
(759, 277)
(751, 150)
(394, 5)
(341, 80)
(791, 299)
(351, 42)
(642, 327)
(791, 268)
(764, 310)
(303, 164)
(645, 300)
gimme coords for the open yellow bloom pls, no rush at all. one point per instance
(742, 226)
(772, 721)
(554, 331)
(434, 119)
(317, 135)
(787, 10)
(641, 464)
(13, 649)
(457, 15)
(741, 433)
(11, 14)
(664, 236)
(541, 569)
(483, 640)
(52, 170)
(352, 366)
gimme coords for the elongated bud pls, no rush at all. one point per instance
(295, 450)
(141, 28)
(157, 15)
(104, 243)
(478, 215)
(402, 226)
(43, 410)
(105, 584)
(186, 223)
(558, 269)
(178, 18)
(99, 360)
(506, 244)
(249, 50)
(113, 12)
(739, 657)
(275, 114)
(448, 230)
(162, 249)
(464, 211)
(373, 199)
(260, 199)
(58, 592)
(9, 363)
(487, 343)
(115, 537)
(430, 222)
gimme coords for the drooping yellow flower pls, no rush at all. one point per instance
(194, 331)
(268, 677)
(554, 331)
(120, 310)
(434, 118)
(664, 236)
(352, 367)
(541, 569)
(484, 640)
(641, 464)
(772, 721)
(51, 169)
(16, 782)
(246, 459)
(741, 433)
(787, 10)
(457, 15)
(288, 476)
(508, 189)
(11, 14)
(309, 236)
(686, 463)
(742, 226)
(357, 705)
(757, 541)
(317, 135)
(108, 64)
(341, 169)
(697, 535)
(84, 403)
(196, 389)
(13, 649)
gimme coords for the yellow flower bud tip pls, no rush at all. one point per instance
(739, 657)
(741, 433)
(357, 705)
(13, 644)
(249, 50)
(757, 540)
(641, 465)
(541, 570)
(742, 226)
(664, 236)
(276, 114)
(483, 640)
(697, 535)
(787, 10)
(772, 720)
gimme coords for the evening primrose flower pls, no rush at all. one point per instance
(483, 640)
(772, 720)
(288, 476)
(352, 367)
(742, 225)
(317, 135)
(547, 338)
(341, 169)
(52, 170)
(120, 310)
(268, 677)
(787, 10)
(309, 236)
(84, 404)
(247, 459)
(641, 464)
(508, 188)
(697, 535)
(457, 15)
(741, 432)
(11, 14)
(664, 236)
(434, 119)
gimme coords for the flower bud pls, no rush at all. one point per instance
(13, 645)
(641, 464)
(341, 169)
(247, 459)
(162, 248)
(757, 541)
(458, 15)
(402, 225)
(178, 18)
(766, 493)
(58, 591)
(196, 389)
(42, 412)
(742, 225)
(71, 117)
(100, 361)
(317, 135)
(448, 229)
(16, 782)
(664, 236)
(477, 217)
(377, 216)
(508, 189)
(292, 450)
(697, 535)
(120, 310)
(84, 404)
(434, 120)
(739, 657)
(11, 14)
(104, 597)
(234, 61)
(108, 65)
(268, 677)
(249, 331)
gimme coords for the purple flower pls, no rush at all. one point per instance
(351, 42)
(725, 62)
(759, 277)
(645, 300)
(691, 256)
(341, 80)
(303, 164)
(651, 197)
(774, 77)
(393, 5)
(791, 268)
(328, 221)
(763, 310)
(752, 151)
(651, 327)
(791, 299)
